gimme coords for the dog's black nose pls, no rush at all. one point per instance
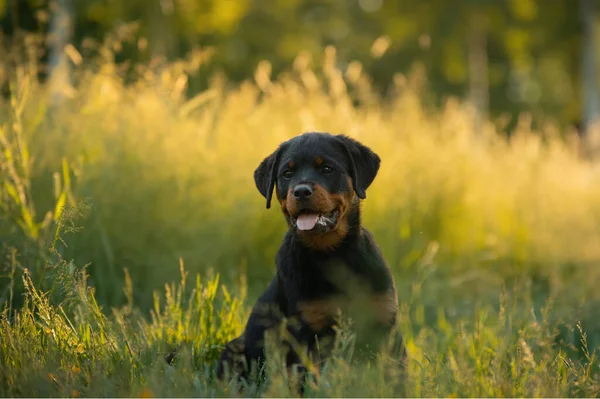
(302, 192)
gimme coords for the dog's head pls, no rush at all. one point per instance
(318, 178)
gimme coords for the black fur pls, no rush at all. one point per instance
(307, 277)
(364, 165)
(266, 174)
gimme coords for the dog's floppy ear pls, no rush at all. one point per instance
(266, 175)
(364, 164)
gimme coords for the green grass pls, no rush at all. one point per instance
(105, 196)
(70, 347)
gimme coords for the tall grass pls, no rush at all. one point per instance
(72, 347)
(493, 241)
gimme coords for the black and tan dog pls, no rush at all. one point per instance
(327, 262)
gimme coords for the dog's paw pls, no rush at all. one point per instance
(233, 359)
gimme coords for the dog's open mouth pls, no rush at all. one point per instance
(309, 220)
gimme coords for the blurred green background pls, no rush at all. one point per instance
(146, 118)
(530, 51)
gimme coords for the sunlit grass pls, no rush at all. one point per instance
(494, 242)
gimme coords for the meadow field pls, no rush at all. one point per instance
(130, 225)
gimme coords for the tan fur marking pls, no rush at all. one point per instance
(328, 241)
(236, 345)
(318, 314)
(318, 161)
(323, 201)
(385, 307)
(291, 164)
(328, 202)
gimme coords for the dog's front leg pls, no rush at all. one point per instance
(244, 356)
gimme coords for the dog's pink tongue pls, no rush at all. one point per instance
(307, 221)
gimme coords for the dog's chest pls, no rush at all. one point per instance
(320, 278)
(328, 288)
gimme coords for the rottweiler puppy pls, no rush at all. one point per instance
(328, 264)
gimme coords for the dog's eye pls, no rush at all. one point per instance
(326, 170)
(287, 174)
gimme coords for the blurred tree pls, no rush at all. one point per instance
(478, 60)
(589, 68)
(58, 38)
(507, 56)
